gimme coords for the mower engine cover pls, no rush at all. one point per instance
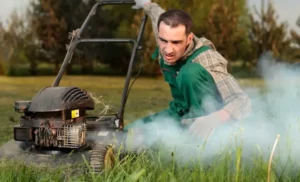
(56, 117)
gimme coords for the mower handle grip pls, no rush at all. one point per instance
(101, 3)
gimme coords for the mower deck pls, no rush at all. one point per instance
(97, 143)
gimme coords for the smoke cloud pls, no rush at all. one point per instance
(275, 110)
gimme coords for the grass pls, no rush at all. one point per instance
(146, 96)
(159, 164)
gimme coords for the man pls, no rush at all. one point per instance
(204, 94)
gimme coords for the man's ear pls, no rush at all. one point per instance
(190, 38)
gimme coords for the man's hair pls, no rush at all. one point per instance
(175, 17)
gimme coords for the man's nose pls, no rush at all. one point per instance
(169, 48)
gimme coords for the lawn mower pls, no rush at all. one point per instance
(55, 125)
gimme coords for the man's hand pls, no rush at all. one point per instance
(204, 126)
(140, 3)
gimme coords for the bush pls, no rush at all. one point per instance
(18, 70)
(3, 68)
(45, 70)
(48, 70)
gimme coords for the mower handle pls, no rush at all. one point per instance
(76, 40)
(101, 3)
(73, 43)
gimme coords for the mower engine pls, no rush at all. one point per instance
(56, 117)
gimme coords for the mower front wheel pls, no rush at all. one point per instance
(102, 157)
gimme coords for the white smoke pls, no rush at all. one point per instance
(276, 110)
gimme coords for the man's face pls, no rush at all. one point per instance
(172, 41)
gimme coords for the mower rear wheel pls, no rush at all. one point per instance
(102, 157)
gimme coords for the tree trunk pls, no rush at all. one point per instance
(33, 68)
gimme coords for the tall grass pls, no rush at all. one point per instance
(155, 164)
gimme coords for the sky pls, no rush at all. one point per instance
(287, 10)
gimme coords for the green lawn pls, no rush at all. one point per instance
(147, 95)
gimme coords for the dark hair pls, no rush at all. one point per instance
(176, 17)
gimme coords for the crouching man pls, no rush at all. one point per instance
(204, 94)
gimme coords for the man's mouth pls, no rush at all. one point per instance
(169, 57)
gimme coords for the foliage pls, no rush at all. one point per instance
(41, 35)
(295, 52)
(225, 26)
(54, 20)
(18, 43)
(2, 53)
(61, 17)
(219, 21)
(266, 34)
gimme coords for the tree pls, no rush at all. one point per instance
(219, 21)
(51, 30)
(2, 50)
(55, 19)
(225, 27)
(266, 34)
(19, 43)
(295, 51)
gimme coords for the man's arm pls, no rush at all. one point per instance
(236, 101)
(237, 104)
(153, 10)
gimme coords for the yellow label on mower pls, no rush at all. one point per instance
(75, 113)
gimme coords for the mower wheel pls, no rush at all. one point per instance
(102, 157)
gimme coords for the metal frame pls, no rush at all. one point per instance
(78, 40)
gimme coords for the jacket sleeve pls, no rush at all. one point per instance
(153, 10)
(236, 101)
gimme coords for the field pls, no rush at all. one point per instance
(147, 95)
